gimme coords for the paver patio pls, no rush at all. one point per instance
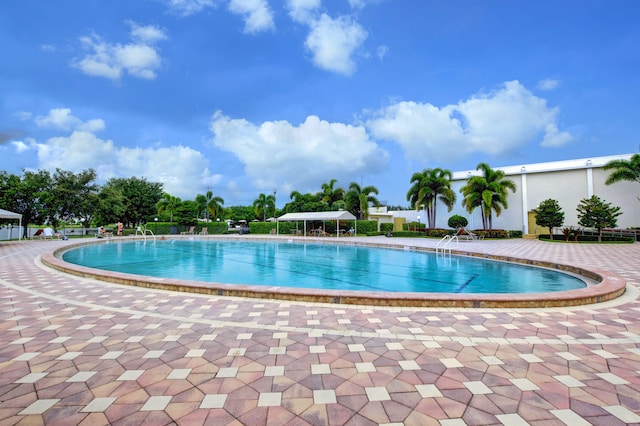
(80, 351)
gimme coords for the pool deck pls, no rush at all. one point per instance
(74, 350)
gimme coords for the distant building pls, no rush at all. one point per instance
(568, 182)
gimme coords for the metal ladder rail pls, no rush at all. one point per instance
(443, 242)
(143, 233)
(448, 241)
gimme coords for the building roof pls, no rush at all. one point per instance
(339, 215)
(6, 214)
(552, 166)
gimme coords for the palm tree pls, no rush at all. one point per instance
(329, 194)
(624, 170)
(210, 204)
(263, 204)
(489, 192)
(358, 199)
(168, 203)
(429, 187)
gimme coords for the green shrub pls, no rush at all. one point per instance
(590, 239)
(515, 234)
(386, 227)
(407, 234)
(214, 228)
(366, 226)
(410, 226)
(493, 233)
(438, 232)
(456, 221)
(261, 227)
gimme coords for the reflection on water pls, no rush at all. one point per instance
(321, 266)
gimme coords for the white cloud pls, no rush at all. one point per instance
(139, 58)
(548, 84)
(61, 118)
(302, 11)
(382, 51)
(256, 13)
(146, 33)
(333, 42)
(279, 154)
(554, 138)
(494, 123)
(183, 170)
(189, 7)
(360, 4)
(20, 146)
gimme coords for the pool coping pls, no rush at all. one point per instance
(608, 285)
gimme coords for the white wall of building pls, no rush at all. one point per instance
(568, 182)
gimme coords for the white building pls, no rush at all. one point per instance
(568, 182)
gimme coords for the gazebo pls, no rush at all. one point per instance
(6, 214)
(305, 217)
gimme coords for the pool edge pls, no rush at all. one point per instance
(609, 286)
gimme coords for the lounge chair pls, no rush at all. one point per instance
(191, 231)
(48, 233)
(205, 231)
(466, 235)
(38, 235)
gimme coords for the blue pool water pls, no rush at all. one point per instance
(324, 266)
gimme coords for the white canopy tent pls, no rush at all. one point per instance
(314, 217)
(6, 214)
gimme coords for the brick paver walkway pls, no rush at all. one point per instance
(78, 351)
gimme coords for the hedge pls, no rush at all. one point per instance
(386, 227)
(168, 228)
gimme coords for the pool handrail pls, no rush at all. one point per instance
(144, 231)
(443, 244)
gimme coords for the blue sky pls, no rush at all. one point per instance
(250, 96)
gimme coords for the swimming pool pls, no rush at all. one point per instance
(319, 266)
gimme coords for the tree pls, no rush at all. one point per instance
(489, 192)
(624, 170)
(329, 195)
(456, 221)
(429, 187)
(138, 196)
(210, 204)
(109, 206)
(358, 199)
(237, 213)
(595, 213)
(549, 214)
(304, 203)
(168, 203)
(263, 204)
(29, 195)
(69, 194)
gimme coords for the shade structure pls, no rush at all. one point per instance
(305, 217)
(6, 214)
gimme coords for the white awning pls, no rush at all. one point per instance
(309, 216)
(316, 216)
(6, 214)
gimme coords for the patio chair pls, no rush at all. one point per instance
(323, 233)
(191, 231)
(205, 231)
(48, 233)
